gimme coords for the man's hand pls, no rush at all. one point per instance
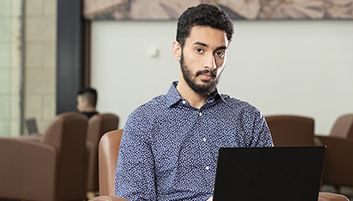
(210, 199)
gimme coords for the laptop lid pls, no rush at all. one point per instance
(269, 173)
(31, 125)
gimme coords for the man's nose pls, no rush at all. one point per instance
(210, 61)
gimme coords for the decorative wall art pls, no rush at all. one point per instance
(237, 9)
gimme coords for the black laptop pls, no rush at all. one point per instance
(31, 125)
(269, 173)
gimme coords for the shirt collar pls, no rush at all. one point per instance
(174, 97)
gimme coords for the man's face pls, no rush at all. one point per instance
(80, 103)
(203, 59)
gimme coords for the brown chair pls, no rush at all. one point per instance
(343, 127)
(338, 165)
(291, 130)
(52, 169)
(98, 125)
(108, 155)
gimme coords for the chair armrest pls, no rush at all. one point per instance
(107, 198)
(33, 137)
(338, 162)
(325, 196)
(92, 165)
(24, 163)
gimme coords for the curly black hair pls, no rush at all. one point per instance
(203, 15)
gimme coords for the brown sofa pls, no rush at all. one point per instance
(98, 125)
(338, 165)
(108, 154)
(291, 130)
(51, 169)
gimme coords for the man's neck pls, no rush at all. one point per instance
(89, 109)
(195, 99)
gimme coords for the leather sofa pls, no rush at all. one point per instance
(108, 154)
(98, 125)
(338, 165)
(50, 169)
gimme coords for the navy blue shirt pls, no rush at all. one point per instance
(169, 149)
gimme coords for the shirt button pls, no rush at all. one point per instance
(204, 139)
(200, 113)
(207, 168)
(184, 102)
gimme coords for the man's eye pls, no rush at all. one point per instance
(199, 50)
(220, 54)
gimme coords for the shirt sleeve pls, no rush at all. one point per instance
(261, 132)
(135, 174)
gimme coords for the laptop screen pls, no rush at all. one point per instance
(31, 125)
(269, 173)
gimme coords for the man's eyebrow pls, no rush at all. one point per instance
(200, 43)
(205, 45)
(221, 48)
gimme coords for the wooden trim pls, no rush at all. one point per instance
(87, 56)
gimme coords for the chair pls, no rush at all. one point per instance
(98, 125)
(108, 154)
(343, 127)
(338, 165)
(291, 130)
(52, 169)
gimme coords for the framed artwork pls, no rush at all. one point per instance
(237, 9)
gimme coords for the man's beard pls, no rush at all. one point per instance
(207, 89)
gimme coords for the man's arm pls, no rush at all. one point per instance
(135, 178)
(261, 132)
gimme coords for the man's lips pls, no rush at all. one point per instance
(206, 74)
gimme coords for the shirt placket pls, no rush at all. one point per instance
(206, 159)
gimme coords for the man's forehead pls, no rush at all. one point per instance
(207, 36)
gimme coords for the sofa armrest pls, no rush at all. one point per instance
(26, 165)
(326, 196)
(33, 137)
(338, 162)
(323, 196)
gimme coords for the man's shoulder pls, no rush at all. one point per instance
(235, 102)
(238, 105)
(156, 103)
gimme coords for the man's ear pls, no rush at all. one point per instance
(176, 49)
(85, 102)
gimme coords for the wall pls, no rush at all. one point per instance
(10, 67)
(282, 67)
(40, 61)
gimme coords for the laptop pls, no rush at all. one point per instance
(31, 125)
(269, 173)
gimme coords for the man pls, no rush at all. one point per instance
(86, 101)
(170, 144)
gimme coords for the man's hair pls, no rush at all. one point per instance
(89, 94)
(203, 15)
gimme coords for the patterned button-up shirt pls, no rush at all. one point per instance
(169, 149)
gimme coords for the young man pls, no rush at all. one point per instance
(86, 101)
(170, 144)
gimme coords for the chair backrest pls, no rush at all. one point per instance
(108, 155)
(291, 130)
(67, 133)
(97, 126)
(343, 127)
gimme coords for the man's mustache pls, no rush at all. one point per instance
(205, 72)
